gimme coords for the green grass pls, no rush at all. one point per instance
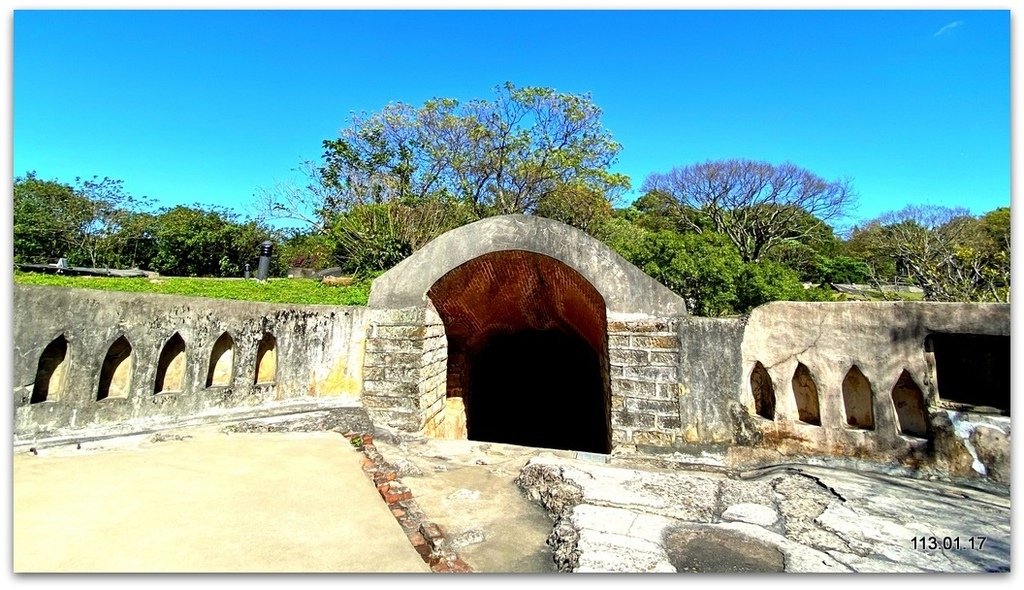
(297, 291)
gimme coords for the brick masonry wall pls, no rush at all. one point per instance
(404, 367)
(432, 385)
(643, 356)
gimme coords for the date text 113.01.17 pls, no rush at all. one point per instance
(948, 543)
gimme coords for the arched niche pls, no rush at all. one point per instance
(116, 371)
(266, 359)
(222, 362)
(763, 390)
(170, 368)
(908, 401)
(51, 371)
(805, 394)
(858, 400)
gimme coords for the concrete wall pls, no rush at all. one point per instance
(710, 366)
(676, 383)
(706, 402)
(318, 357)
(882, 340)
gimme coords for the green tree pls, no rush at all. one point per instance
(369, 238)
(375, 237)
(306, 249)
(867, 243)
(197, 241)
(577, 205)
(93, 223)
(120, 231)
(764, 281)
(528, 148)
(659, 210)
(50, 220)
(948, 253)
(996, 226)
(701, 268)
(758, 205)
(841, 269)
(705, 269)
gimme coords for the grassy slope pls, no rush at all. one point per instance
(298, 291)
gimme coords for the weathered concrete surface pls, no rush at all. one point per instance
(198, 500)
(467, 488)
(624, 287)
(710, 366)
(972, 445)
(794, 519)
(882, 340)
(339, 420)
(318, 356)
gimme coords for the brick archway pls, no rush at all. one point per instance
(624, 287)
(527, 350)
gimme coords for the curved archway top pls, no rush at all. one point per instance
(624, 287)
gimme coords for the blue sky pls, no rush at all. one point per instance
(208, 107)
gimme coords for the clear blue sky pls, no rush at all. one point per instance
(206, 107)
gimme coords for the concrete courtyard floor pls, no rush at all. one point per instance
(200, 500)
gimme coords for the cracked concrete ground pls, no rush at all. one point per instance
(468, 488)
(607, 518)
(793, 519)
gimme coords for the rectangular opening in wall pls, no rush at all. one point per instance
(972, 369)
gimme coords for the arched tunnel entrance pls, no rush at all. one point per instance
(527, 351)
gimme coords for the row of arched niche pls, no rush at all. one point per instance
(116, 372)
(858, 399)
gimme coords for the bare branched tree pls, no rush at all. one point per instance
(302, 201)
(947, 252)
(758, 205)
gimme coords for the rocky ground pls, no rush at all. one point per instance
(490, 498)
(792, 519)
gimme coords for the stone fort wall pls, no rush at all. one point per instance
(95, 361)
(867, 381)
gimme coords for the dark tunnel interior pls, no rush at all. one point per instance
(527, 351)
(538, 388)
(972, 369)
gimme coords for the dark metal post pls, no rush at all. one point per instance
(266, 249)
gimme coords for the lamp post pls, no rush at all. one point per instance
(266, 249)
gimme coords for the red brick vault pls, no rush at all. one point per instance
(498, 331)
(527, 351)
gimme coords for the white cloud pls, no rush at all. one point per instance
(948, 28)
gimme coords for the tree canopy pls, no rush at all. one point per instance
(757, 205)
(726, 235)
(528, 149)
(95, 222)
(950, 254)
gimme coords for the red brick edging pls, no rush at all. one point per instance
(426, 537)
